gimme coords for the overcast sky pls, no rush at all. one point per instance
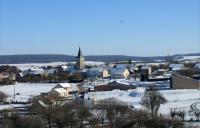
(100, 27)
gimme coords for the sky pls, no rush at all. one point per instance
(100, 27)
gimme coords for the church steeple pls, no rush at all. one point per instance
(79, 53)
(80, 65)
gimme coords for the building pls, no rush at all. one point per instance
(65, 86)
(145, 71)
(34, 72)
(182, 82)
(119, 73)
(80, 64)
(61, 92)
(7, 76)
(197, 66)
(114, 85)
(97, 72)
(176, 67)
(4, 75)
(65, 89)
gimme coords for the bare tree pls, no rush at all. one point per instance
(152, 100)
(17, 121)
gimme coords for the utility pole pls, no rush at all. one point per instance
(14, 92)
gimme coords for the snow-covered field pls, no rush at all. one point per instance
(25, 90)
(54, 64)
(177, 99)
(190, 58)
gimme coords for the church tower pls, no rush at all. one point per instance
(80, 65)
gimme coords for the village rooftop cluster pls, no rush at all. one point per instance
(92, 82)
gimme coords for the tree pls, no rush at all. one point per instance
(129, 61)
(152, 100)
(2, 96)
(13, 120)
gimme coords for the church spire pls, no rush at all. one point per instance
(79, 53)
(80, 60)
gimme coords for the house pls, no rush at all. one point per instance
(176, 67)
(4, 75)
(182, 82)
(197, 66)
(121, 66)
(133, 68)
(119, 73)
(65, 86)
(51, 72)
(114, 85)
(34, 71)
(71, 88)
(61, 92)
(97, 72)
(146, 70)
(64, 67)
(161, 73)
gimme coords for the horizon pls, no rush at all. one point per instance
(100, 55)
(130, 28)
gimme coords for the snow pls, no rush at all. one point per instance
(26, 90)
(181, 99)
(123, 96)
(177, 99)
(65, 85)
(54, 64)
(190, 58)
(10, 106)
(36, 65)
(60, 90)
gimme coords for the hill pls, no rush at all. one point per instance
(47, 58)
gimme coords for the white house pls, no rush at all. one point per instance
(60, 91)
(65, 86)
(119, 73)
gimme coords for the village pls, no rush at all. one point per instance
(94, 82)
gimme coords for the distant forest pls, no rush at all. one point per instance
(47, 58)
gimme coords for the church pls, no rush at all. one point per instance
(80, 60)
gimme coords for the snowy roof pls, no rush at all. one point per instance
(59, 90)
(121, 65)
(162, 70)
(64, 67)
(197, 65)
(36, 71)
(65, 85)
(124, 82)
(75, 87)
(96, 69)
(118, 70)
(177, 66)
(51, 71)
(145, 67)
